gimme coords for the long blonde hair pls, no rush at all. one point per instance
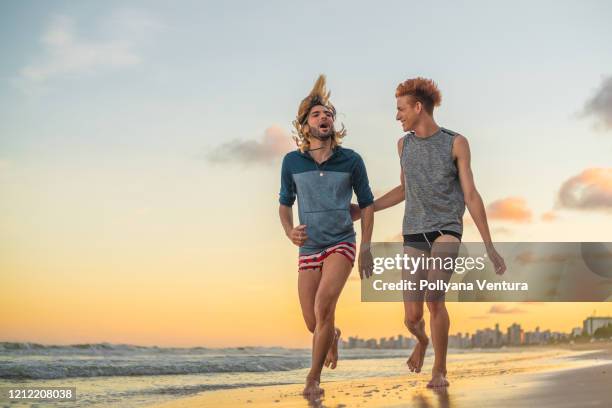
(319, 95)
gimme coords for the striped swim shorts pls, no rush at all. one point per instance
(315, 261)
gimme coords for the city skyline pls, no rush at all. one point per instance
(485, 337)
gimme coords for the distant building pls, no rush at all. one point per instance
(382, 343)
(558, 336)
(459, 341)
(593, 323)
(576, 331)
(538, 337)
(515, 335)
(487, 338)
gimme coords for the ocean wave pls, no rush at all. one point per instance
(69, 368)
(26, 361)
(97, 348)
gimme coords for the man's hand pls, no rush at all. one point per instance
(298, 235)
(498, 261)
(365, 263)
(355, 212)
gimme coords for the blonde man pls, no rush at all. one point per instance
(323, 175)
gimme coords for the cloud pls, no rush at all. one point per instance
(274, 143)
(503, 309)
(600, 104)
(549, 216)
(65, 52)
(590, 190)
(509, 209)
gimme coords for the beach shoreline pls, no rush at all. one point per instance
(543, 376)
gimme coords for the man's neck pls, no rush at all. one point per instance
(320, 150)
(426, 127)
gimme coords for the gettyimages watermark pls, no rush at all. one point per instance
(463, 272)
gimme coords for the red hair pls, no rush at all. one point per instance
(423, 90)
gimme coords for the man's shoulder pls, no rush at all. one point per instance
(292, 155)
(448, 131)
(402, 140)
(349, 153)
(457, 138)
(294, 161)
(455, 135)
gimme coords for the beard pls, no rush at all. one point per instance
(322, 136)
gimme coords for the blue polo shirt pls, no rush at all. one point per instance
(324, 193)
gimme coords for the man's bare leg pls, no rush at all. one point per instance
(336, 269)
(439, 324)
(413, 314)
(331, 360)
(444, 247)
(416, 359)
(308, 283)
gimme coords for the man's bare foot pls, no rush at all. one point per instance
(312, 388)
(415, 362)
(331, 360)
(438, 379)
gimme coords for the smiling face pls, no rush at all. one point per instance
(321, 122)
(408, 112)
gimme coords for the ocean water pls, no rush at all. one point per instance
(132, 376)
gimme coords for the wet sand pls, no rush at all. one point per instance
(542, 377)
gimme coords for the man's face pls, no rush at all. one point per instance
(408, 112)
(321, 122)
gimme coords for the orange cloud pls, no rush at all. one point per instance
(591, 189)
(509, 209)
(503, 309)
(274, 143)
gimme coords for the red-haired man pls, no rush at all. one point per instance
(436, 184)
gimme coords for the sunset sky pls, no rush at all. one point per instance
(140, 148)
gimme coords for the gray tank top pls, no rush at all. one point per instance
(434, 199)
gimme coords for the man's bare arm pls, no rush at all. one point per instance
(473, 200)
(296, 235)
(365, 263)
(367, 224)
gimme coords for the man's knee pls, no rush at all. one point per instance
(436, 307)
(412, 319)
(324, 312)
(311, 324)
